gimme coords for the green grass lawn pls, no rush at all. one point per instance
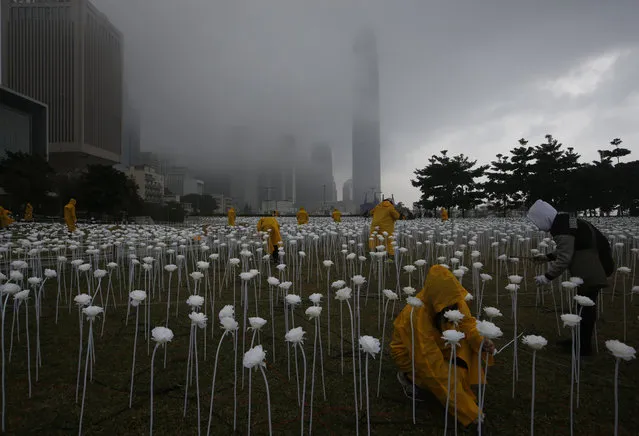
(52, 410)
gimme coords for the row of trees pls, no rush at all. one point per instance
(102, 192)
(548, 171)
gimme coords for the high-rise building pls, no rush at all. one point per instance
(322, 164)
(347, 191)
(366, 125)
(23, 124)
(69, 56)
(130, 155)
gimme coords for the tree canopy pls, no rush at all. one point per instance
(26, 177)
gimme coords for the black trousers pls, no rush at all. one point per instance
(588, 317)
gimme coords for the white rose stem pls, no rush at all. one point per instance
(515, 361)
(354, 367)
(328, 296)
(217, 354)
(450, 366)
(532, 401)
(479, 385)
(151, 408)
(168, 306)
(572, 379)
(319, 333)
(412, 355)
(297, 370)
(86, 370)
(135, 344)
(381, 354)
(303, 386)
(310, 426)
(270, 291)
(235, 386)
(359, 334)
(268, 401)
(244, 291)
(341, 335)
(77, 384)
(368, 409)
(4, 307)
(189, 371)
(617, 360)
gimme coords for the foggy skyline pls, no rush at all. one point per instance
(470, 77)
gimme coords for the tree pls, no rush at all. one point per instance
(105, 190)
(449, 182)
(616, 152)
(498, 188)
(202, 204)
(26, 177)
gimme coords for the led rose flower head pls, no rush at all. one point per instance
(295, 335)
(577, 280)
(338, 284)
(82, 300)
(390, 294)
(170, 268)
(515, 279)
(199, 319)
(568, 285)
(478, 265)
(454, 316)
(315, 298)
(369, 345)
(162, 335)
(534, 342)
(343, 294)
(293, 300)
(570, 319)
(227, 312)
(195, 301)
(246, 276)
(485, 277)
(256, 323)
(420, 262)
(137, 297)
(273, 281)
(582, 300)
(112, 265)
(621, 350)
(229, 324)
(358, 280)
(489, 330)
(452, 337)
(34, 281)
(459, 273)
(196, 275)
(409, 269)
(85, 267)
(281, 267)
(50, 273)
(254, 358)
(328, 263)
(624, 270)
(234, 261)
(409, 290)
(414, 302)
(10, 289)
(492, 312)
(512, 287)
(92, 312)
(16, 276)
(313, 312)
(286, 285)
(22, 295)
(469, 297)
(203, 265)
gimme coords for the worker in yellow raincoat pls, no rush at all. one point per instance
(302, 217)
(269, 224)
(441, 292)
(5, 218)
(231, 216)
(28, 213)
(276, 213)
(69, 215)
(384, 217)
(337, 216)
(444, 215)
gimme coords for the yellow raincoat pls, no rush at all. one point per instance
(28, 212)
(231, 216)
(5, 219)
(270, 223)
(444, 215)
(69, 215)
(441, 291)
(302, 217)
(337, 216)
(384, 217)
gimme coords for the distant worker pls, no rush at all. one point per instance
(384, 217)
(302, 217)
(270, 225)
(69, 216)
(5, 218)
(28, 213)
(444, 215)
(337, 216)
(276, 213)
(231, 216)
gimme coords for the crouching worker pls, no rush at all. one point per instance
(441, 292)
(270, 225)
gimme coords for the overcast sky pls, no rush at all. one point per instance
(468, 76)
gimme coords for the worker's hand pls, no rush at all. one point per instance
(541, 258)
(489, 347)
(542, 280)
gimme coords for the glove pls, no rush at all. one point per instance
(542, 280)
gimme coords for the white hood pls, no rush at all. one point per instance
(542, 215)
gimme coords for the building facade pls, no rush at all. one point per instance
(69, 56)
(366, 124)
(150, 183)
(23, 124)
(179, 182)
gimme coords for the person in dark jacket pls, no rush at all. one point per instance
(581, 249)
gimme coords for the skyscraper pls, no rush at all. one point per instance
(366, 126)
(69, 56)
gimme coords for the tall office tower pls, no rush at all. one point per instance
(288, 187)
(322, 166)
(69, 56)
(347, 191)
(366, 127)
